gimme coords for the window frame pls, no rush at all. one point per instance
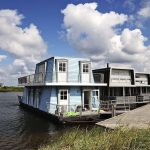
(85, 68)
(62, 66)
(63, 94)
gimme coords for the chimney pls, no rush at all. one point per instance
(107, 65)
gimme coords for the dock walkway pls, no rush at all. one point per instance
(137, 118)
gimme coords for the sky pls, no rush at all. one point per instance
(114, 31)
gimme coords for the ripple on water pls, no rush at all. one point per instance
(20, 129)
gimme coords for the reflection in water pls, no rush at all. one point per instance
(20, 129)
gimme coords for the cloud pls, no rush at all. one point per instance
(16, 40)
(25, 44)
(144, 12)
(101, 36)
(133, 41)
(85, 27)
(2, 57)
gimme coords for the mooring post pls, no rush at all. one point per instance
(80, 109)
(113, 108)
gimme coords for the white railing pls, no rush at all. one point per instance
(124, 103)
(30, 79)
(51, 77)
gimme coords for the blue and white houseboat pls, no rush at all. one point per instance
(68, 90)
(63, 88)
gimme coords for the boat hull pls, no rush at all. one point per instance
(41, 113)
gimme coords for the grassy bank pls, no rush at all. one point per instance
(11, 89)
(98, 139)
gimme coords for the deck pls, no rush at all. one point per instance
(137, 118)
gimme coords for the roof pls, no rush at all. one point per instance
(117, 68)
(145, 73)
(61, 57)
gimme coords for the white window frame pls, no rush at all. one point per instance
(62, 66)
(62, 94)
(85, 67)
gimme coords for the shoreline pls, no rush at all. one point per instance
(11, 89)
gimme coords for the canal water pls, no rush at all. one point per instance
(22, 130)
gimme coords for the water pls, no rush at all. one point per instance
(20, 129)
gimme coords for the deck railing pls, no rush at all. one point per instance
(125, 103)
(71, 110)
(30, 79)
(52, 77)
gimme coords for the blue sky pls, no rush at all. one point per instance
(57, 40)
(47, 16)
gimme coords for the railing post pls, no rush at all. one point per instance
(29, 79)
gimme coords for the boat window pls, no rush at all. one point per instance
(85, 68)
(63, 94)
(62, 67)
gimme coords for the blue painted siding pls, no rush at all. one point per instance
(73, 69)
(44, 98)
(53, 100)
(48, 94)
(49, 71)
(75, 97)
(31, 98)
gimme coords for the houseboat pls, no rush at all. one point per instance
(68, 90)
(65, 89)
(125, 87)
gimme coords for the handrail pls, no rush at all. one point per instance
(52, 77)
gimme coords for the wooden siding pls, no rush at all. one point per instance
(75, 96)
(53, 100)
(44, 98)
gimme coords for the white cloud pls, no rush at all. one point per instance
(101, 37)
(16, 40)
(86, 27)
(25, 44)
(133, 41)
(145, 11)
(2, 57)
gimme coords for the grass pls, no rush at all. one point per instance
(11, 89)
(100, 139)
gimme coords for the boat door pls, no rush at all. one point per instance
(86, 99)
(95, 99)
(63, 99)
(85, 72)
(62, 70)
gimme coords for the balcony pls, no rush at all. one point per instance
(51, 77)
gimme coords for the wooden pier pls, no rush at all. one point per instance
(137, 118)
